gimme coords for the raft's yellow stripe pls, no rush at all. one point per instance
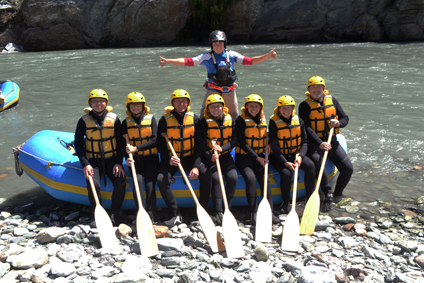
(9, 104)
(129, 195)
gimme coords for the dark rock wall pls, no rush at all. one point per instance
(55, 24)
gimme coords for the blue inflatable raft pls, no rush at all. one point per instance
(46, 158)
(9, 95)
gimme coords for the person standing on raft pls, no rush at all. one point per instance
(218, 125)
(287, 135)
(141, 128)
(99, 144)
(183, 132)
(321, 112)
(219, 63)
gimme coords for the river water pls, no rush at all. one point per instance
(379, 85)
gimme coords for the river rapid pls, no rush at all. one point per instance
(379, 86)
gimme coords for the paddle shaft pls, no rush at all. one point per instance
(296, 173)
(93, 188)
(181, 169)
(324, 159)
(221, 180)
(134, 174)
(265, 196)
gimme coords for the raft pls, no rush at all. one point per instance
(47, 158)
(9, 96)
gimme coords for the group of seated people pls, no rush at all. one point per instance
(102, 141)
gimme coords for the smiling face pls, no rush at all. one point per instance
(253, 108)
(180, 105)
(317, 92)
(136, 108)
(215, 109)
(218, 47)
(286, 111)
(98, 104)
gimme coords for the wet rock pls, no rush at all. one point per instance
(161, 231)
(261, 253)
(343, 220)
(50, 234)
(35, 258)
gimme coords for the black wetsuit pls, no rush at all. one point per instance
(337, 154)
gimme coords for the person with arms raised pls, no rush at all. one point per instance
(219, 63)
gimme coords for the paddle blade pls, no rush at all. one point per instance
(232, 237)
(263, 231)
(290, 241)
(310, 214)
(209, 229)
(104, 226)
(146, 234)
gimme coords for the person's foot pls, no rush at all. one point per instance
(114, 217)
(176, 220)
(253, 218)
(284, 208)
(337, 198)
(275, 219)
(328, 202)
(219, 217)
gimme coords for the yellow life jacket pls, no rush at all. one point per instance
(289, 136)
(221, 133)
(100, 140)
(255, 135)
(141, 133)
(181, 136)
(320, 116)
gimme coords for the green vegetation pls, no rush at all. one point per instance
(210, 14)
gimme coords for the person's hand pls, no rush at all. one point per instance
(174, 161)
(272, 54)
(325, 146)
(290, 165)
(162, 61)
(298, 161)
(194, 173)
(334, 123)
(131, 149)
(217, 148)
(130, 161)
(214, 157)
(262, 161)
(88, 171)
(118, 170)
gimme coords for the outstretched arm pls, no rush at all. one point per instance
(177, 62)
(259, 59)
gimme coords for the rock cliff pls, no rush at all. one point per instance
(66, 24)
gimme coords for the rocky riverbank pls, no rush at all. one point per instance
(356, 242)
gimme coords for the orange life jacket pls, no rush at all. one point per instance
(289, 136)
(255, 135)
(320, 116)
(141, 133)
(181, 136)
(222, 134)
(100, 140)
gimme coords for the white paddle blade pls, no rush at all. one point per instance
(263, 231)
(208, 227)
(232, 236)
(290, 241)
(105, 228)
(146, 234)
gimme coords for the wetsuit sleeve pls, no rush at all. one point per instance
(343, 118)
(204, 132)
(197, 146)
(273, 140)
(304, 137)
(80, 142)
(151, 143)
(234, 140)
(199, 59)
(304, 111)
(240, 128)
(120, 142)
(162, 147)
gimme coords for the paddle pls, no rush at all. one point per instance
(103, 223)
(290, 241)
(263, 232)
(145, 230)
(310, 214)
(208, 227)
(232, 237)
